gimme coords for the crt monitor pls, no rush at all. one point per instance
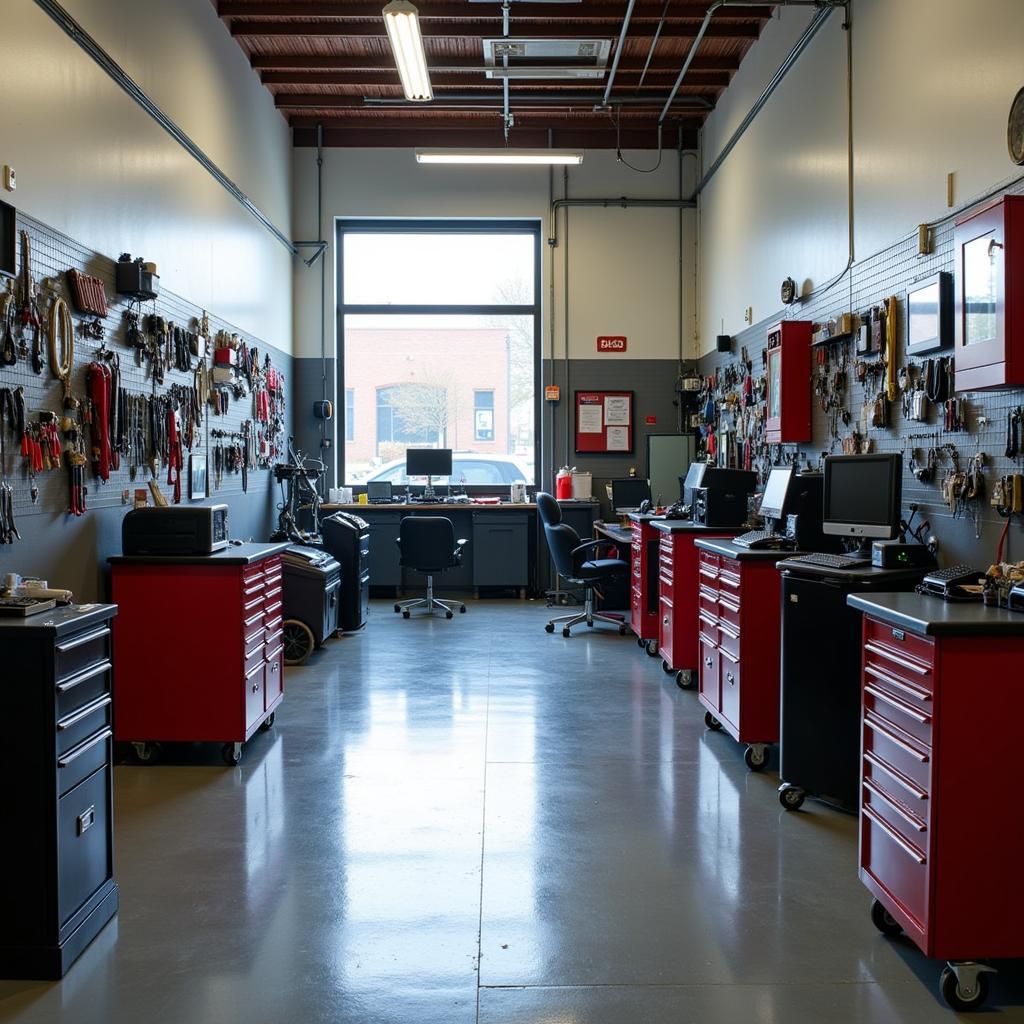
(428, 462)
(627, 494)
(776, 490)
(863, 495)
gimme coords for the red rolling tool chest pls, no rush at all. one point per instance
(198, 647)
(739, 598)
(940, 837)
(644, 599)
(677, 595)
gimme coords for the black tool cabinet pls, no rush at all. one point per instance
(57, 849)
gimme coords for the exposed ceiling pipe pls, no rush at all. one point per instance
(618, 52)
(704, 27)
(799, 46)
(553, 98)
(654, 43)
(622, 203)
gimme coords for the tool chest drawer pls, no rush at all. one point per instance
(82, 723)
(898, 865)
(914, 654)
(729, 611)
(83, 817)
(74, 692)
(82, 651)
(895, 710)
(897, 754)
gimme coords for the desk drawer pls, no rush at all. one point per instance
(86, 721)
(84, 852)
(898, 865)
(885, 705)
(81, 651)
(74, 692)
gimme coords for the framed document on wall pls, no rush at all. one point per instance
(604, 422)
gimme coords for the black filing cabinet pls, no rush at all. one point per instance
(501, 542)
(57, 849)
(385, 561)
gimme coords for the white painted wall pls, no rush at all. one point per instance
(933, 81)
(623, 264)
(93, 165)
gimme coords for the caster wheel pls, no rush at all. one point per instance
(792, 799)
(298, 642)
(711, 722)
(549, 628)
(565, 632)
(756, 758)
(960, 999)
(462, 609)
(405, 615)
(398, 607)
(623, 630)
(684, 679)
(590, 625)
(147, 753)
(449, 615)
(651, 647)
(232, 753)
(886, 923)
(667, 668)
(268, 723)
(639, 642)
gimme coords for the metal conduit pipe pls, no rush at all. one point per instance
(618, 51)
(622, 203)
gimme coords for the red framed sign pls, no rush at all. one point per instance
(604, 422)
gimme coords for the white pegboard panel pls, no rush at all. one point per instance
(52, 255)
(870, 282)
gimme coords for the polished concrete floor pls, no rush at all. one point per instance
(473, 821)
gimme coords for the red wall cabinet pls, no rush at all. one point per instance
(198, 647)
(739, 615)
(989, 248)
(788, 419)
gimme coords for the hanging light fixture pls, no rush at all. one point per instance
(499, 156)
(402, 21)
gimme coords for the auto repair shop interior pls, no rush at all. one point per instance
(511, 512)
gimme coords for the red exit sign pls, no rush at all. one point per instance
(611, 343)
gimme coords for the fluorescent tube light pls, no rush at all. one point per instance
(499, 156)
(402, 21)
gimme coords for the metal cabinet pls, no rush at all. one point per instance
(500, 549)
(385, 562)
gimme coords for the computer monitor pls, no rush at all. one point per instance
(378, 490)
(428, 462)
(863, 495)
(694, 478)
(628, 493)
(776, 490)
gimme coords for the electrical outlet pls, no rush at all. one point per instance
(10, 178)
(748, 315)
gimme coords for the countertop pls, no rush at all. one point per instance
(233, 554)
(61, 620)
(688, 526)
(435, 506)
(931, 616)
(721, 546)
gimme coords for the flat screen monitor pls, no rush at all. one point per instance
(694, 478)
(378, 490)
(776, 489)
(863, 495)
(428, 462)
(627, 494)
(667, 456)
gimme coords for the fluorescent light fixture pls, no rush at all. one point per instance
(499, 156)
(402, 21)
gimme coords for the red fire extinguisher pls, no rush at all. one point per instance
(563, 484)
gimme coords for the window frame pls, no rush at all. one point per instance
(426, 226)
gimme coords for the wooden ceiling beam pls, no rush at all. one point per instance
(645, 10)
(385, 62)
(472, 77)
(475, 30)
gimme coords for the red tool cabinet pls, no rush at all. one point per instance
(940, 834)
(739, 632)
(677, 596)
(198, 648)
(644, 582)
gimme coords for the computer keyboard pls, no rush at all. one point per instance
(755, 539)
(826, 561)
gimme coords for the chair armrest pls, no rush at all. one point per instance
(578, 553)
(590, 544)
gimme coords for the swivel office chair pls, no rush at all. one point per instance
(580, 564)
(428, 545)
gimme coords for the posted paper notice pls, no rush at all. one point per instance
(618, 439)
(590, 419)
(616, 410)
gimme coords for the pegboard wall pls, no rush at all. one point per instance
(969, 534)
(52, 255)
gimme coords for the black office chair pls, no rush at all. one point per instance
(428, 545)
(580, 564)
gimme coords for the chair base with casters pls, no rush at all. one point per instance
(431, 603)
(589, 616)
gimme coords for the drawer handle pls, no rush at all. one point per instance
(729, 581)
(724, 627)
(914, 691)
(252, 636)
(252, 618)
(916, 754)
(96, 705)
(85, 820)
(709, 619)
(82, 748)
(85, 638)
(273, 654)
(730, 678)
(895, 775)
(725, 654)
(895, 702)
(912, 820)
(253, 671)
(270, 609)
(884, 652)
(906, 847)
(734, 608)
(708, 641)
(70, 684)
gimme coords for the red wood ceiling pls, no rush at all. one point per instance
(322, 60)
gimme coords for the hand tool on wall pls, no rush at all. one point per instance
(891, 310)
(29, 316)
(61, 341)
